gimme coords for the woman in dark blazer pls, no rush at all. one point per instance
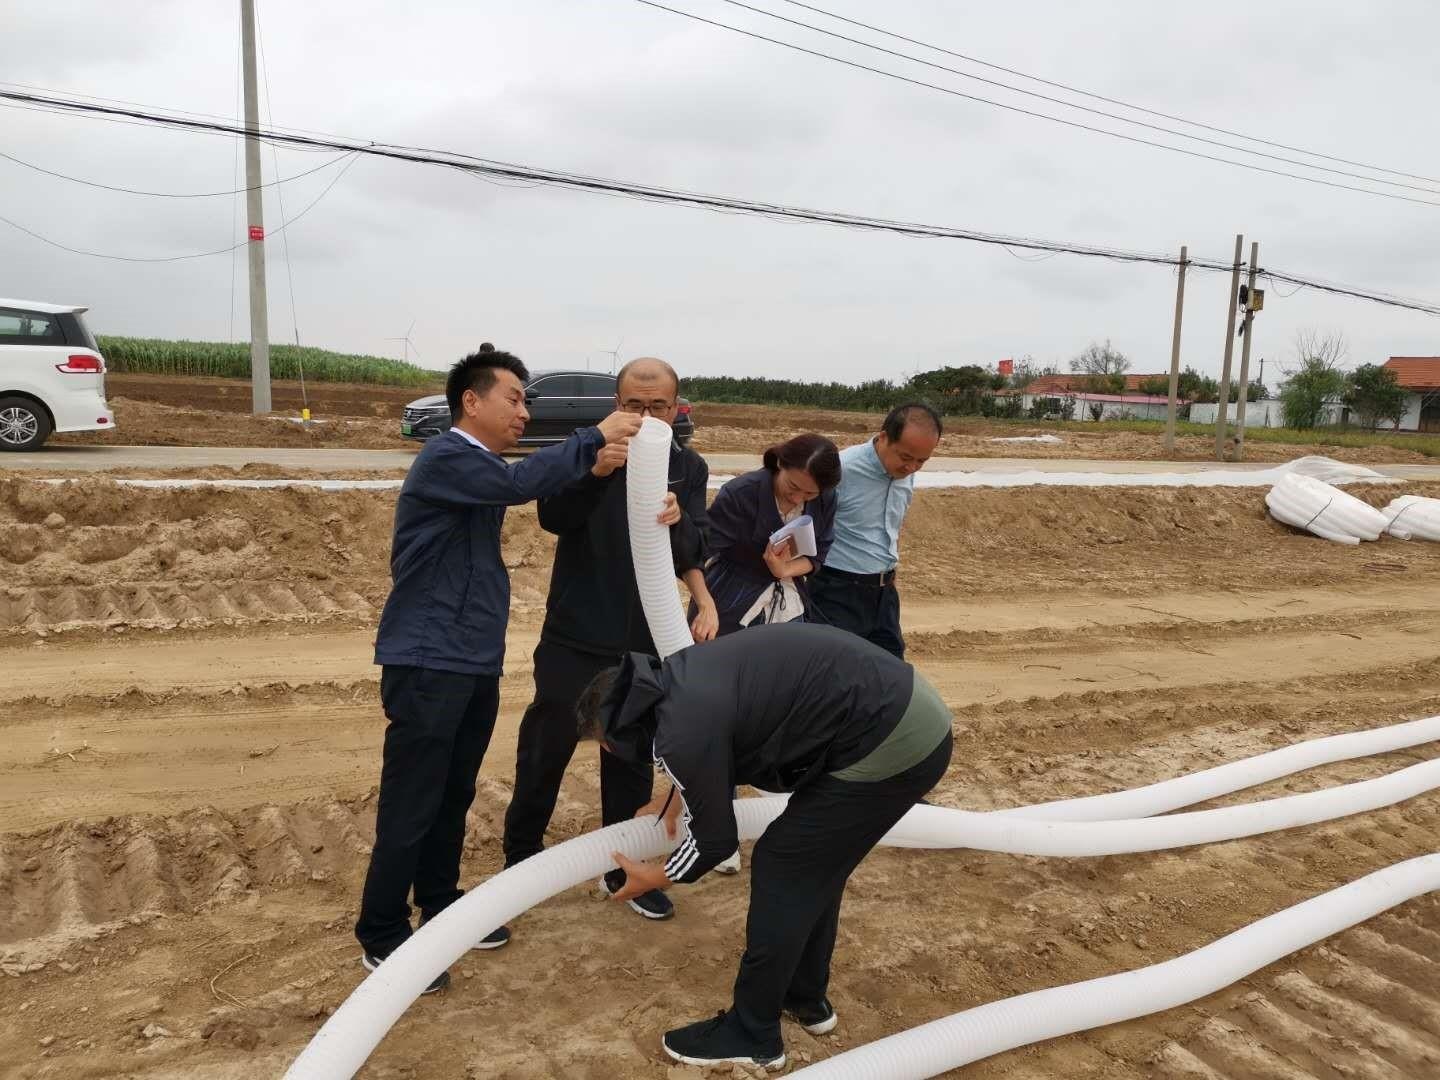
(745, 569)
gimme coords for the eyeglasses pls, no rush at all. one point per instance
(654, 408)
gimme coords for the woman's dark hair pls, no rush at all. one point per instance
(912, 412)
(813, 453)
(477, 372)
(587, 708)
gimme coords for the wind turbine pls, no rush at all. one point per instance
(408, 343)
(612, 353)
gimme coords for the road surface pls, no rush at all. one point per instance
(98, 458)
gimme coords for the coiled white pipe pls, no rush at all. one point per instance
(647, 475)
(1326, 511)
(1412, 517)
(1044, 1014)
(348, 1037)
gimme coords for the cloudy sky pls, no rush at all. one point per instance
(617, 89)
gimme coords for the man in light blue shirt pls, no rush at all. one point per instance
(855, 589)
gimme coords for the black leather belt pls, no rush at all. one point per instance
(878, 581)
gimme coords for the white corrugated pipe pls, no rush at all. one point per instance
(1411, 517)
(348, 1037)
(1326, 511)
(1235, 775)
(989, 1029)
(647, 477)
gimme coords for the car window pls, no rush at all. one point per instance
(29, 328)
(555, 386)
(597, 386)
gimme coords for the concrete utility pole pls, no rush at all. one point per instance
(255, 212)
(1247, 333)
(1175, 353)
(1224, 405)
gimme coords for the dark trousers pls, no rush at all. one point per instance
(797, 878)
(866, 610)
(547, 743)
(440, 725)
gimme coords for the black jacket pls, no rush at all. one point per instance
(594, 604)
(450, 599)
(777, 707)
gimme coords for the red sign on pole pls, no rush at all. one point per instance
(257, 232)
(1007, 367)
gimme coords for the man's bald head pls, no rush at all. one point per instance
(648, 372)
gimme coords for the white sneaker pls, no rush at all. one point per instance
(730, 865)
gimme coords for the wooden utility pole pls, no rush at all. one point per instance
(1175, 353)
(255, 214)
(1248, 332)
(1229, 352)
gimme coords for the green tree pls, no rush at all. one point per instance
(1158, 386)
(1191, 385)
(957, 389)
(1375, 395)
(1317, 380)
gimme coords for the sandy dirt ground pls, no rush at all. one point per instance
(189, 751)
(160, 411)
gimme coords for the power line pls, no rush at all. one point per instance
(168, 194)
(1032, 113)
(1073, 105)
(181, 258)
(1108, 100)
(73, 94)
(504, 171)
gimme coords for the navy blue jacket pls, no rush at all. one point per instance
(742, 519)
(450, 598)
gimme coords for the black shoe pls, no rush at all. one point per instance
(815, 1019)
(370, 962)
(718, 1042)
(493, 940)
(653, 904)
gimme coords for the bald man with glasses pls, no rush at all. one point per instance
(593, 619)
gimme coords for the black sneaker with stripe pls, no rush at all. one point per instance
(653, 904)
(370, 962)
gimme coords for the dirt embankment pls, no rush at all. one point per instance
(91, 555)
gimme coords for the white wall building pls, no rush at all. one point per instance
(1109, 406)
(1268, 412)
(1420, 377)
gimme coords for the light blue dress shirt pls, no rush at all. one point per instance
(869, 512)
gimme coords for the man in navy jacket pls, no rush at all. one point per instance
(441, 641)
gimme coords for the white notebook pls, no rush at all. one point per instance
(801, 530)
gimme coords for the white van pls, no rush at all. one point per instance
(52, 376)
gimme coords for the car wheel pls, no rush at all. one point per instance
(23, 424)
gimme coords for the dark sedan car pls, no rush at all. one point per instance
(559, 402)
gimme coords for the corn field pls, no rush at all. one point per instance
(231, 360)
